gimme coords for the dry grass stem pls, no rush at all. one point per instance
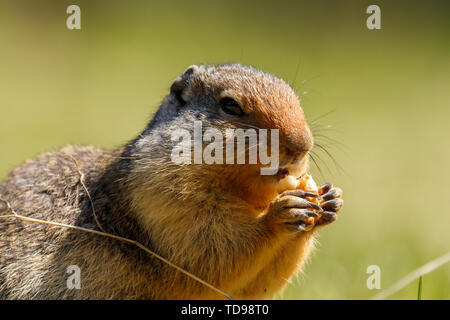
(109, 235)
(427, 268)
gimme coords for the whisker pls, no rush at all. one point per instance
(324, 163)
(299, 65)
(331, 143)
(247, 126)
(314, 121)
(338, 166)
(305, 81)
(318, 128)
(310, 154)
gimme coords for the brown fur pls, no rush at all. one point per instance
(212, 220)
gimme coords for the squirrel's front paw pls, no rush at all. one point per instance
(293, 212)
(331, 203)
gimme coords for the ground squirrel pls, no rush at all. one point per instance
(225, 223)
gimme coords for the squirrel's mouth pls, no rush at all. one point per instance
(281, 173)
(295, 168)
(287, 176)
(286, 180)
(294, 171)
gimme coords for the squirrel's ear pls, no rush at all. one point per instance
(180, 86)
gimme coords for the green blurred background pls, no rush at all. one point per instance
(388, 92)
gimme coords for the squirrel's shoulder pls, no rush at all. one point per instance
(53, 177)
(65, 160)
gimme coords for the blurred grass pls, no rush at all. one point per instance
(388, 90)
(419, 290)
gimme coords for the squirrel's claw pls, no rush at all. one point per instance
(325, 188)
(333, 203)
(332, 194)
(326, 218)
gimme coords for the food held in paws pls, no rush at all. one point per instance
(307, 183)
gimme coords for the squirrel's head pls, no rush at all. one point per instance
(234, 97)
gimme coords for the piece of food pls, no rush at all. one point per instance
(307, 183)
(288, 183)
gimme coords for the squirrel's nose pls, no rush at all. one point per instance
(301, 142)
(296, 156)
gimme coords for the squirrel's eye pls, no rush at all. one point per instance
(230, 106)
